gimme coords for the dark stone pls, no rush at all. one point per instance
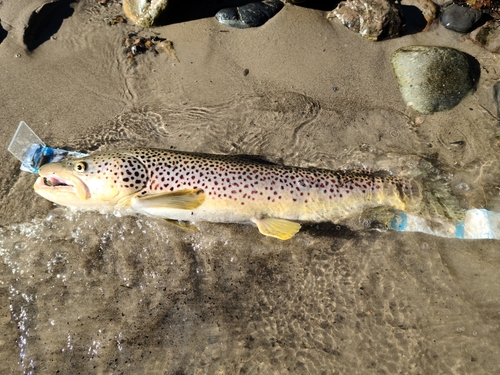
(459, 18)
(249, 15)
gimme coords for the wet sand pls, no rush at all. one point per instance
(87, 293)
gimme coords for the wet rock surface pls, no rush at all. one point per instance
(488, 36)
(460, 18)
(373, 19)
(123, 295)
(249, 15)
(433, 79)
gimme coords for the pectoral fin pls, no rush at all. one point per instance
(182, 199)
(278, 228)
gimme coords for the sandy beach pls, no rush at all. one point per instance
(87, 293)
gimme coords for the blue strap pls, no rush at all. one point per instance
(399, 222)
(39, 155)
(460, 229)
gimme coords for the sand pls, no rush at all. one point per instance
(86, 293)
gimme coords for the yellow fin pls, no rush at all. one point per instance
(182, 199)
(278, 228)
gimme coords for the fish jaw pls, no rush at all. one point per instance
(61, 186)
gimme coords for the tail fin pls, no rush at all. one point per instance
(425, 193)
(437, 201)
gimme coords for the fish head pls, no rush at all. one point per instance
(93, 182)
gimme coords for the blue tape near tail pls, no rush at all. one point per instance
(399, 222)
(460, 229)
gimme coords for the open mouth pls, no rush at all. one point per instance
(54, 181)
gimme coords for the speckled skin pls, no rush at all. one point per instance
(234, 189)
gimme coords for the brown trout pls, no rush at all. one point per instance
(198, 187)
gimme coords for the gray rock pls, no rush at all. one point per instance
(488, 36)
(433, 79)
(249, 15)
(373, 19)
(459, 18)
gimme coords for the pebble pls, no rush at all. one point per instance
(249, 15)
(433, 79)
(459, 18)
(488, 36)
(373, 19)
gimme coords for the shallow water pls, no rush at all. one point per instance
(87, 293)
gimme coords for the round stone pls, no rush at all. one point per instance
(433, 79)
(460, 18)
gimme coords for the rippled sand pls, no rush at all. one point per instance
(86, 293)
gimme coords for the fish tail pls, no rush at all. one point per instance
(436, 200)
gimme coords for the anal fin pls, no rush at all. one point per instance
(278, 228)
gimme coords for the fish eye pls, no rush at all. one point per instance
(80, 166)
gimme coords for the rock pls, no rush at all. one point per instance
(373, 19)
(488, 36)
(433, 79)
(145, 12)
(459, 18)
(249, 15)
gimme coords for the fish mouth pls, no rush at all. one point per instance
(56, 182)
